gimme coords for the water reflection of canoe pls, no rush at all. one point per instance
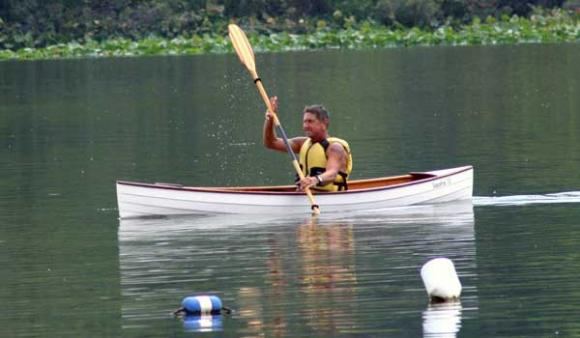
(258, 264)
(455, 214)
(144, 199)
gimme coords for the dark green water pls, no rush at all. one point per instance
(69, 129)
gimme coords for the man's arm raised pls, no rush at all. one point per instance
(271, 140)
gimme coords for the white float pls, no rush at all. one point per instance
(440, 280)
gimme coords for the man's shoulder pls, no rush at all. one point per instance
(336, 147)
(338, 142)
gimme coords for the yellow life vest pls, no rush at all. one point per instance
(313, 158)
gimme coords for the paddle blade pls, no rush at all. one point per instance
(242, 47)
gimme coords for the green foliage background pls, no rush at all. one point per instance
(41, 23)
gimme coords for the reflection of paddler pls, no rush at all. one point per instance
(275, 268)
(251, 302)
(328, 273)
(327, 254)
(250, 308)
(277, 279)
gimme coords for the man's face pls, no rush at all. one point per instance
(313, 127)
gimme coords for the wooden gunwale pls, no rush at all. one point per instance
(355, 186)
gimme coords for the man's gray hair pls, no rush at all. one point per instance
(318, 110)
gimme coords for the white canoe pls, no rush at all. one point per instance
(161, 199)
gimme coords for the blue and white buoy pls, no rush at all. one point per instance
(202, 305)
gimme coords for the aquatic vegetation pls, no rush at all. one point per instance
(558, 26)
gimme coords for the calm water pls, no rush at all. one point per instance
(69, 129)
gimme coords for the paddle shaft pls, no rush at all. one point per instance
(246, 54)
(282, 132)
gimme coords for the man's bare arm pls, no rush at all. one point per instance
(335, 162)
(271, 140)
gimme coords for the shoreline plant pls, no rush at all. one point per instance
(555, 26)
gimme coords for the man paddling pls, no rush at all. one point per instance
(325, 161)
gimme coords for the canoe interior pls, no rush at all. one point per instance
(352, 185)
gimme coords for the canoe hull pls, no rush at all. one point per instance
(144, 200)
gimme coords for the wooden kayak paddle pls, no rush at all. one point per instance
(246, 55)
